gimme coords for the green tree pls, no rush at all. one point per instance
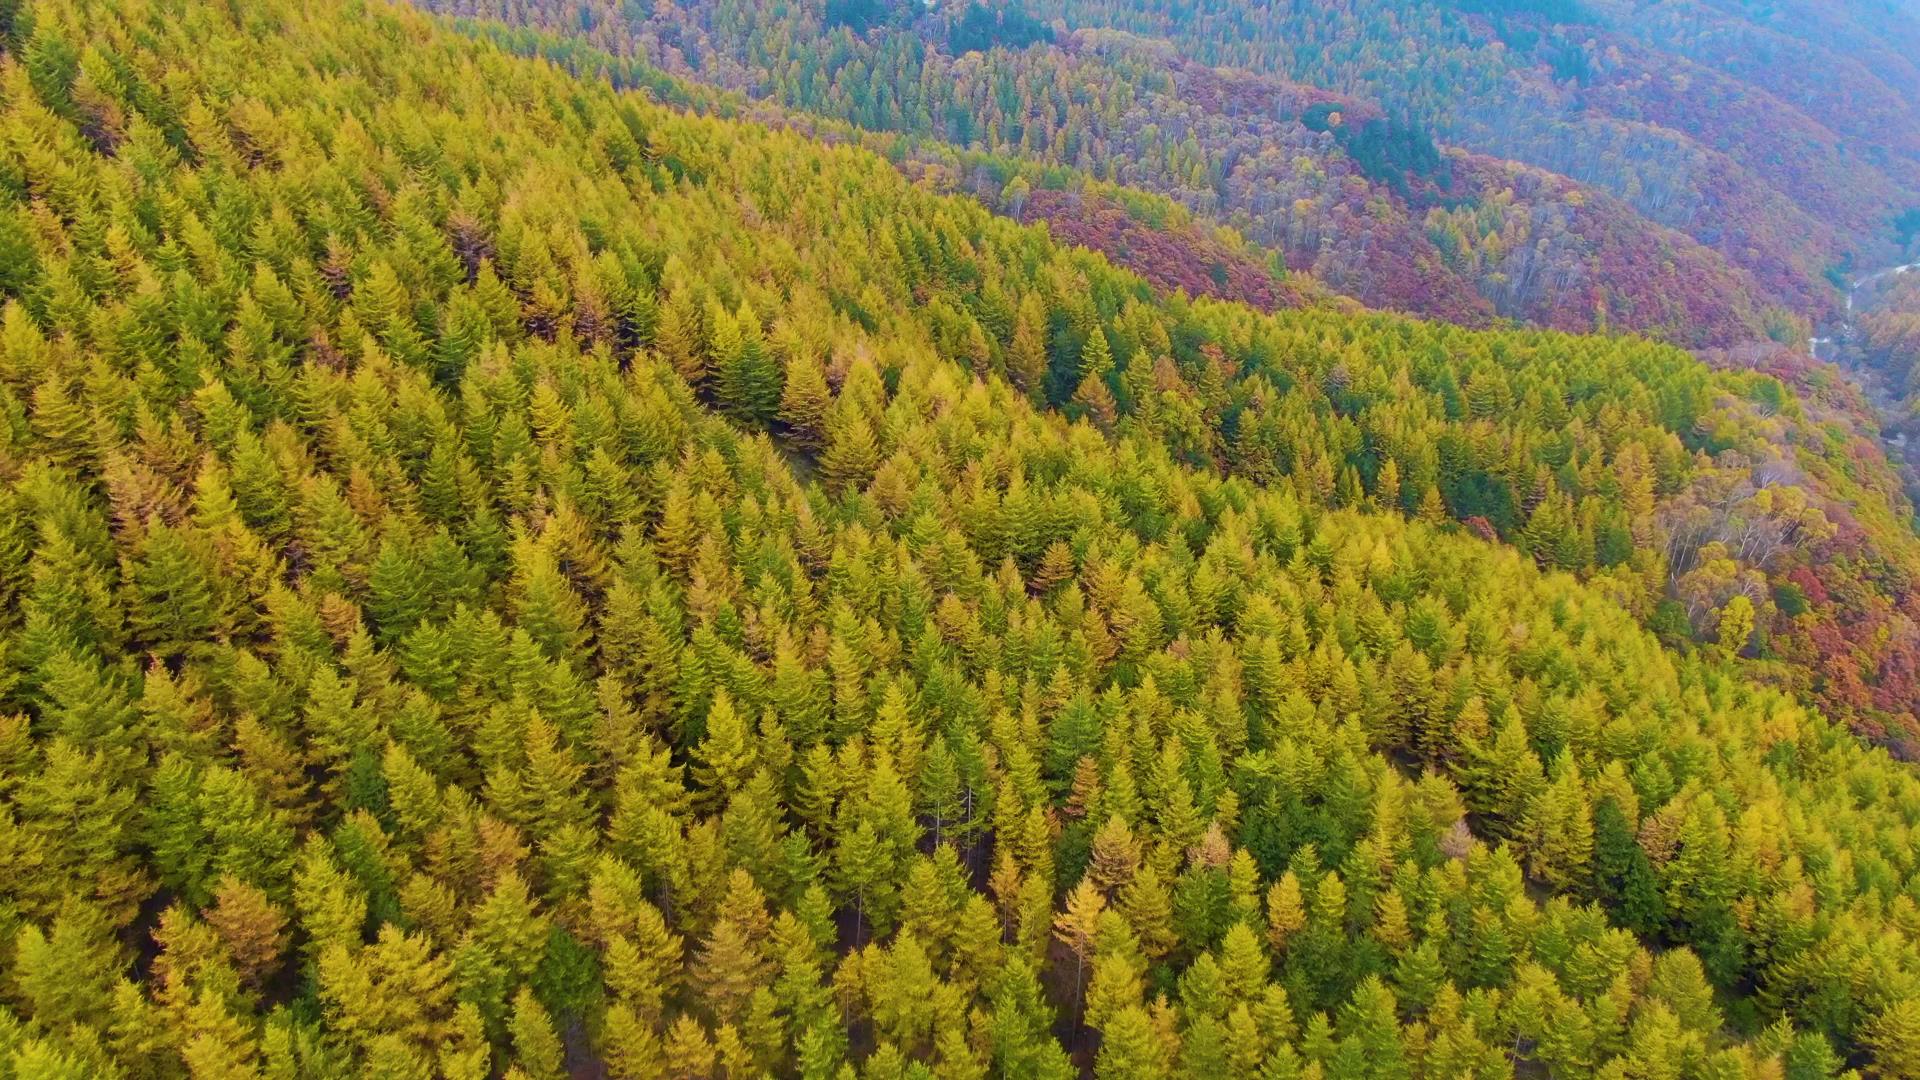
(176, 605)
(748, 378)
(1130, 1049)
(805, 401)
(852, 452)
(1560, 831)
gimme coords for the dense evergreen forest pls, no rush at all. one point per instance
(507, 575)
(1341, 187)
(1832, 567)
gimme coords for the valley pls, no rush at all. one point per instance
(1841, 344)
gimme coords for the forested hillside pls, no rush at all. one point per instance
(1359, 197)
(507, 578)
(1890, 334)
(1784, 135)
(1799, 512)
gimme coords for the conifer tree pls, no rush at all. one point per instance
(1894, 1036)
(545, 603)
(1560, 827)
(1118, 970)
(1115, 856)
(1096, 356)
(852, 452)
(65, 973)
(1623, 874)
(805, 401)
(1093, 396)
(251, 926)
(399, 589)
(537, 1050)
(681, 337)
(748, 377)
(1130, 1048)
(1077, 928)
(732, 963)
(725, 758)
(631, 1048)
(176, 604)
(1027, 354)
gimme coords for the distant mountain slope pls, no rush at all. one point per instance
(1786, 136)
(1343, 190)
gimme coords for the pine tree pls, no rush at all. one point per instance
(400, 597)
(1419, 974)
(689, 1051)
(65, 974)
(175, 603)
(1386, 486)
(465, 1053)
(1119, 969)
(251, 926)
(1560, 831)
(1077, 927)
(85, 703)
(681, 339)
(725, 758)
(536, 1048)
(748, 382)
(1056, 567)
(852, 452)
(1149, 907)
(805, 401)
(1243, 963)
(1622, 873)
(1893, 1035)
(1096, 357)
(903, 993)
(1115, 857)
(1027, 354)
(1370, 1024)
(733, 963)
(545, 603)
(938, 788)
(509, 927)
(396, 988)
(549, 795)
(63, 423)
(1679, 982)
(1093, 396)
(631, 1048)
(383, 305)
(1130, 1048)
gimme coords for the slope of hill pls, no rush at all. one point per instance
(1342, 190)
(1856, 646)
(506, 578)
(1891, 334)
(1785, 136)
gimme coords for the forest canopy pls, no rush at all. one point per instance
(507, 577)
(1004, 26)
